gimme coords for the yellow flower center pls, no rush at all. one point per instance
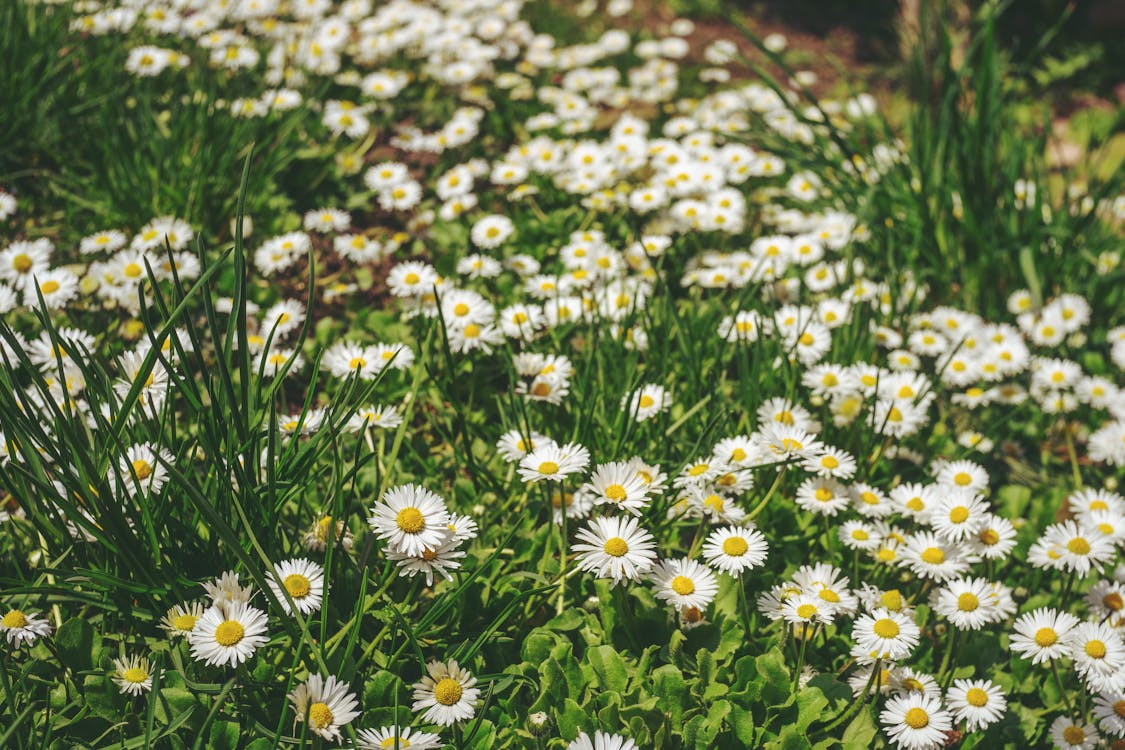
(823, 494)
(297, 585)
(976, 697)
(22, 263)
(989, 537)
(49, 286)
(320, 715)
(1046, 637)
(870, 498)
(1074, 735)
(860, 535)
(962, 478)
(829, 462)
(134, 675)
(886, 628)
(447, 691)
(683, 585)
(229, 632)
(461, 309)
(184, 622)
(1113, 601)
(411, 278)
(390, 743)
(357, 363)
(892, 600)
(647, 401)
(142, 468)
(807, 339)
(15, 619)
(738, 455)
(967, 602)
(829, 595)
(933, 556)
(1078, 546)
(1095, 649)
(548, 467)
(615, 546)
(916, 718)
(960, 514)
(698, 469)
(410, 520)
(615, 492)
(805, 611)
(1119, 708)
(735, 546)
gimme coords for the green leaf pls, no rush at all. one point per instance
(570, 720)
(771, 666)
(224, 736)
(75, 641)
(742, 720)
(861, 731)
(609, 667)
(670, 686)
(810, 706)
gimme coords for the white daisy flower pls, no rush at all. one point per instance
(303, 580)
(554, 462)
(326, 703)
(1041, 635)
(685, 583)
(884, 635)
(180, 619)
(733, 549)
(618, 485)
(915, 722)
(411, 519)
(385, 738)
(446, 694)
(978, 703)
(132, 675)
(1068, 734)
(229, 635)
(615, 548)
(601, 741)
(20, 627)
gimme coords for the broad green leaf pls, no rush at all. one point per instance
(609, 667)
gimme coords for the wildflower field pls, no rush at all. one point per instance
(512, 374)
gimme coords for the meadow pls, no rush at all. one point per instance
(501, 374)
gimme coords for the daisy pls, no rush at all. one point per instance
(1041, 635)
(226, 590)
(915, 722)
(647, 402)
(180, 619)
(932, 557)
(440, 559)
(513, 445)
(995, 539)
(824, 496)
(884, 635)
(1068, 734)
(615, 548)
(411, 519)
(228, 635)
(389, 738)
(618, 484)
(1109, 710)
(831, 462)
(601, 741)
(20, 628)
(446, 693)
(958, 515)
(553, 462)
(1099, 655)
(132, 674)
(803, 609)
(979, 703)
(966, 603)
(303, 580)
(732, 549)
(1079, 549)
(685, 583)
(143, 469)
(326, 703)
